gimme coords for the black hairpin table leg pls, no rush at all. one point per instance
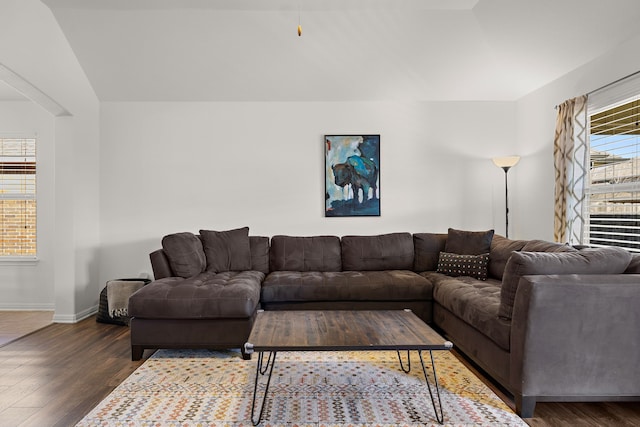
(261, 370)
(437, 408)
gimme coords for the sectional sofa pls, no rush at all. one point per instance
(547, 321)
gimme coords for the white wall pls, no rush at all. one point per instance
(33, 47)
(125, 177)
(169, 167)
(534, 189)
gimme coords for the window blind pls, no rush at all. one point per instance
(614, 163)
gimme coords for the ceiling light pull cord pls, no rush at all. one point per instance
(299, 26)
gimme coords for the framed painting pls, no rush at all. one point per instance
(352, 175)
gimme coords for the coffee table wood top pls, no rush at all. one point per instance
(342, 330)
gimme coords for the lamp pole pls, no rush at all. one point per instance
(506, 163)
(506, 201)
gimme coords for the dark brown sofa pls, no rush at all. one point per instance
(545, 320)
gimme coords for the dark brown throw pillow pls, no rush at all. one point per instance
(185, 254)
(463, 265)
(427, 247)
(468, 242)
(227, 250)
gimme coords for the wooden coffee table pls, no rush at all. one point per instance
(396, 330)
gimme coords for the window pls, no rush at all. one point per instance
(18, 197)
(613, 189)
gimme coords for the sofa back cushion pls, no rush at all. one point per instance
(317, 253)
(382, 252)
(427, 247)
(185, 254)
(227, 250)
(500, 252)
(608, 260)
(544, 246)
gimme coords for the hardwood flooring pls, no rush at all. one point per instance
(15, 324)
(56, 375)
(574, 414)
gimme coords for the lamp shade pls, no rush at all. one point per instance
(506, 162)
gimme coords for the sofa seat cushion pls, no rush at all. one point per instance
(474, 301)
(205, 296)
(388, 285)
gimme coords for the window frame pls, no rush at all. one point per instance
(613, 233)
(30, 193)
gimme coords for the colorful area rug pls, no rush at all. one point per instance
(191, 388)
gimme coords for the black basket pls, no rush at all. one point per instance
(103, 307)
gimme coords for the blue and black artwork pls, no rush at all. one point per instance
(352, 175)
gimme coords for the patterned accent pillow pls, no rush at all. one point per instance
(463, 265)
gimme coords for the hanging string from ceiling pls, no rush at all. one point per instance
(299, 25)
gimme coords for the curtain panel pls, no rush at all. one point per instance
(570, 154)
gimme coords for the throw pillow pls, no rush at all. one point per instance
(427, 247)
(608, 260)
(185, 254)
(468, 242)
(227, 250)
(463, 265)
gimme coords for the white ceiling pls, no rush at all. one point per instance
(248, 50)
(8, 93)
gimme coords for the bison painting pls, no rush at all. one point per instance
(352, 175)
(361, 174)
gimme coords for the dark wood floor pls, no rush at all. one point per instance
(16, 324)
(55, 376)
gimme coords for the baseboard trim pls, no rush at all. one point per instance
(74, 318)
(27, 307)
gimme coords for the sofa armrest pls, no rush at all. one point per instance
(576, 335)
(160, 264)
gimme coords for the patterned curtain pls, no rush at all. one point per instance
(570, 156)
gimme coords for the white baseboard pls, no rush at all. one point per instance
(27, 307)
(74, 318)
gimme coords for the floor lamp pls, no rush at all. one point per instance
(506, 163)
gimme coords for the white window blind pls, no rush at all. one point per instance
(17, 197)
(613, 193)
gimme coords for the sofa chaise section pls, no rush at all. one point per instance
(205, 309)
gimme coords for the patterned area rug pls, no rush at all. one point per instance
(205, 388)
